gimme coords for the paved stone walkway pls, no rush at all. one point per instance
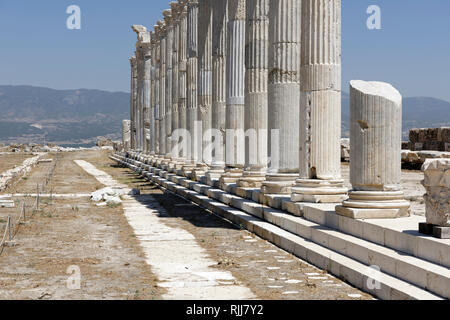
(183, 267)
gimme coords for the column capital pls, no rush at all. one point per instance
(168, 18)
(160, 29)
(192, 3)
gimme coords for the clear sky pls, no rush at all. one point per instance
(411, 51)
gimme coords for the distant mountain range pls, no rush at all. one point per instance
(418, 112)
(66, 117)
(78, 117)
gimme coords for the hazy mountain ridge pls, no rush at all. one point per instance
(32, 114)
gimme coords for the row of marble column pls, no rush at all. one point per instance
(268, 72)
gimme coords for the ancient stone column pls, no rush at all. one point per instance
(283, 96)
(235, 137)
(169, 69)
(175, 79)
(146, 94)
(204, 97)
(143, 55)
(162, 89)
(256, 79)
(375, 153)
(157, 62)
(133, 96)
(182, 91)
(153, 94)
(205, 75)
(320, 107)
(219, 48)
(126, 135)
(192, 80)
(437, 198)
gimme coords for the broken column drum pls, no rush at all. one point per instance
(375, 151)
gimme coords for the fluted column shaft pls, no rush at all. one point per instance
(256, 79)
(192, 78)
(321, 90)
(376, 137)
(320, 106)
(205, 76)
(140, 99)
(162, 97)
(375, 153)
(284, 82)
(169, 83)
(152, 146)
(157, 95)
(182, 104)
(146, 96)
(283, 95)
(133, 96)
(235, 82)
(220, 22)
(175, 84)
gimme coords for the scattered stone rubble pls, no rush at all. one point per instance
(434, 139)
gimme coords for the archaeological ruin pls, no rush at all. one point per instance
(236, 106)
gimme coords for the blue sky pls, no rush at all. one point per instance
(411, 51)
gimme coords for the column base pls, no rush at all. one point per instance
(319, 191)
(251, 179)
(280, 183)
(213, 175)
(231, 175)
(199, 172)
(187, 169)
(375, 205)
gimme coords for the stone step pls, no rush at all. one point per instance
(419, 272)
(345, 250)
(399, 234)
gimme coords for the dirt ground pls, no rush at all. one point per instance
(10, 160)
(100, 242)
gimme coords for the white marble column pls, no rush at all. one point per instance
(375, 153)
(133, 95)
(146, 94)
(157, 92)
(169, 80)
(205, 74)
(283, 96)
(192, 82)
(204, 97)
(182, 91)
(235, 94)
(320, 108)
(256, 80)
(162, 89)
(126, 135)
(153, 94)
(175, 7)
(219, 53)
